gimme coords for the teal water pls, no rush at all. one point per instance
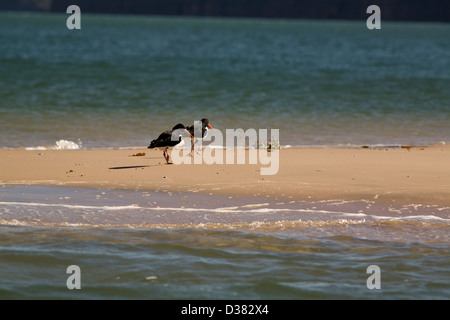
(121, 80)
(163, 245)
(214, 264)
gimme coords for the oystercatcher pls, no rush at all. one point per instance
(205, 126)
(165, 140)
(195, 132)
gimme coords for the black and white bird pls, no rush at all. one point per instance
(165, 140)
(195, 133)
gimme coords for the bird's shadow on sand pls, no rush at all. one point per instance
(137, 167)
(127, 167)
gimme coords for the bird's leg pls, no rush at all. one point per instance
(192, 149)
(197, 151)
(168, 159)
(166, 156)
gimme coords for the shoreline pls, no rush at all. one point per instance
(388, 176)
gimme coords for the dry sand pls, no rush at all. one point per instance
(389, 176)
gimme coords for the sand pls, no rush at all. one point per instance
(385, 176)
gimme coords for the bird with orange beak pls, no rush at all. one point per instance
(196, 134)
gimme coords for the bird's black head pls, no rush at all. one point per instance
(205, 123)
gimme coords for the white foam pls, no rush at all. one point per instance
(60, 145)
(68, 145)
(69, 206)
(158, 208)
(246, 209)
(355, 214)
(418, 217)
(36, 148)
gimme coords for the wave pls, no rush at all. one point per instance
(244, 210)
(68, 206)
(241, 209)
(60, 145)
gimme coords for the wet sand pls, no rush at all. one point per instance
(387, 176)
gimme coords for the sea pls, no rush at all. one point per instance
(120, 80)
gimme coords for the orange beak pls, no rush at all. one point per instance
(211, 127)
(189, 133)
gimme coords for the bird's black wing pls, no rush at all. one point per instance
(162, 141)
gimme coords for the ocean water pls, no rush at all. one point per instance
(164, 245)
(121, 80)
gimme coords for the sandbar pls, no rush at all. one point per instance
(382, 175)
